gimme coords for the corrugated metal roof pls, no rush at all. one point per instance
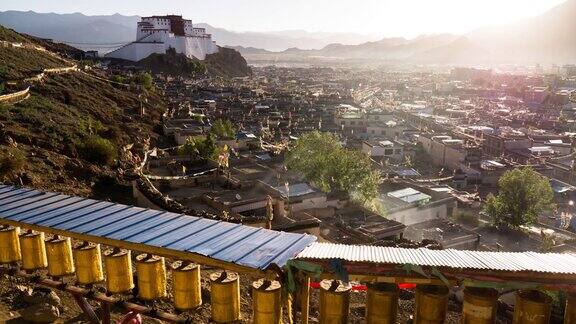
(243, 245)
(478, 260)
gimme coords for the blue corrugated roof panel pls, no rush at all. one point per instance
(233, 243)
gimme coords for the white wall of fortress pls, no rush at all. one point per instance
(191, 46)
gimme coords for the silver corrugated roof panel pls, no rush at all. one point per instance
(243, 245)
(478, 260)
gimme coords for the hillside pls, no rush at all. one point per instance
(51, 140)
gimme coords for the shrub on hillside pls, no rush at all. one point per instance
(12, 161)
(98, 150)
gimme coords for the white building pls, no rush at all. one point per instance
(157, 34)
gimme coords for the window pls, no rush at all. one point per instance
(398, 151)
(388, 151)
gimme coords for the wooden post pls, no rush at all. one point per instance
(305, 300)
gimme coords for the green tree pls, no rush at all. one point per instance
(145, 80)
(199, 146)
(98, 150)
(523, 194)
(322, 160)
(223, 129)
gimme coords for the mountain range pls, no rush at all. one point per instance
(105, 30)
(548, 38)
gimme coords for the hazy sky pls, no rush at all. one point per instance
(379, 17)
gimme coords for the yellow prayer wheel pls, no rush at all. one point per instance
(267, 302)
(570, 314)
(431, 304)
(59, 253)
(334, 302)
(225, 296)
(381, 303)
(9, 244)
(33, 251)
(186, 285)
(151, 272)
(118, 271)
(480, 305)
(532, 307)
(88, 263)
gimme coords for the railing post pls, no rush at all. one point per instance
(267, 302)
(480, 305)
(381, 303)
(431, 304)
(532, 307)
(334, 302)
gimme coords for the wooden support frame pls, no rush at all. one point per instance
(105, 300)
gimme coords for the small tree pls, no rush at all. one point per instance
(223, 129)
(523, 195)
(117, 78)
(145, 80)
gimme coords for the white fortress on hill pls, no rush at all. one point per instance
(156, 34)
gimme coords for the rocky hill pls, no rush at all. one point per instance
(76, 132)
(226, 63)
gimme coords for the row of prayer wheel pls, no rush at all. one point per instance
(480, 305)
(85, 260)
(60, 258)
